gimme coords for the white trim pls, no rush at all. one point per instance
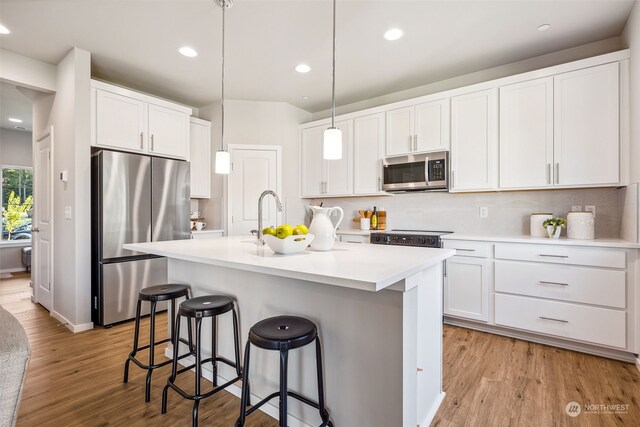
(13, 270)
(73, 328)
(140, 96)
(620, 55)
(198, 121)
(434, 409)
(638, 363)
(227, 187)
(15, 243)
(267, 408)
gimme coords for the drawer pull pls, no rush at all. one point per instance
(465, 250)
(554, 256)
(554, 320)
(542, 282)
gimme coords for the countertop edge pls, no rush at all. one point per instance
(563, 241)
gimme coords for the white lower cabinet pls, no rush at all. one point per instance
(584, 296)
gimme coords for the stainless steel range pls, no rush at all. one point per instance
(421, 238)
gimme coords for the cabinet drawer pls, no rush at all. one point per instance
(594, 257)
(562, 282)
(470, 248)
(353, 238)
(561, 319)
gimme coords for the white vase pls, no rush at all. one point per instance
(535, 223)
(580, 225)
(554, 234)
(323, 229)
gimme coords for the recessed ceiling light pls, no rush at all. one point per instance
(544, 27)
(305, 98)
(188, 51)
(11, 119)
(4, 30)
(393, 34)
(303, 68)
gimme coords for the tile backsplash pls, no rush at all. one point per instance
(508, 211)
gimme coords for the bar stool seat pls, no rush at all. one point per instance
(283, 333)
(154, 295)
(197, 309)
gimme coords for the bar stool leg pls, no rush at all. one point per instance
(198, 369)
(214, 350)
(135, 343)
(152, 338)
(324, 414)
(174, 366)
(284, 359)
(236, 342)
(244, 396)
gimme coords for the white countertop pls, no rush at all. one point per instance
(365, 267)
(203, 231)
(608, 243)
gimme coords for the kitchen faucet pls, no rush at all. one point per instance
(278, 205)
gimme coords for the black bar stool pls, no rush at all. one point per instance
(154, 294)
(283, 333)
(197, 309)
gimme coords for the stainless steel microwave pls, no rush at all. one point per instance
(416, 172)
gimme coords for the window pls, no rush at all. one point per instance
(17, 190)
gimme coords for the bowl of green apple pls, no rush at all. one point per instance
(286, 239)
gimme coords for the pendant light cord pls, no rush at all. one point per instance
(333, 84)
(224, 6)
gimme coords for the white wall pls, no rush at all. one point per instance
(555, 58)
(15, 147)
(631, 39)
(68, 111)
(259, 123)
(27, 72)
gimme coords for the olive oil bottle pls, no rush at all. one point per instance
(374, 219)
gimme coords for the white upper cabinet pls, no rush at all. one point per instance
(168, 132)
(131, 121)
(121, 122)
(200, 144)
(368, 144)
(586, 126)
(324, 178)
(474, 141)
(526, 134)
(423, 127)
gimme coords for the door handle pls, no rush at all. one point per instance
(35, 230)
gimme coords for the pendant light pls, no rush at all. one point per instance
(223, 159)
(332, 144)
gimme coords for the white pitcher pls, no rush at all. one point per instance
(323, 229)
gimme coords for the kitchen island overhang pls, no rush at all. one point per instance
(378, 309)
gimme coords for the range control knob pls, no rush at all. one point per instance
(387, 239)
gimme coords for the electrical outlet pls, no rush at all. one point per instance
(484, 212)
(576, 208)
(590, 208)
(67, 212)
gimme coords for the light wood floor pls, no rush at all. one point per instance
(76, 380)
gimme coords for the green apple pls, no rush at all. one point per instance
(269, 230)
(300, 229)
(283, 231)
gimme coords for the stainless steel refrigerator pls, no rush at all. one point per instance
(134, 198)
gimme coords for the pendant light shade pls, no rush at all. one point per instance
(332, 140)
(332, 144)
(223, 161)
(223, 158)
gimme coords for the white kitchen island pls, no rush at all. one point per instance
(378, 309)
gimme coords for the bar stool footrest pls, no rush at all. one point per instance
(210, 393)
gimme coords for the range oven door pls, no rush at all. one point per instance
(427, 171)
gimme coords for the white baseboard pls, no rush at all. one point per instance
(73, 328)
(638, 363)
(267, 408)
(13, 270)
(434, 409)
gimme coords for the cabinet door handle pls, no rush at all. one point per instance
(548, 173)
(554, 256)
(415, 142)
(552, 319)
(465, 250)
(557, 173)
(379, 184)
(152, 142)
(410, 142)
(453, 181)
(543, 282)
(141, 138)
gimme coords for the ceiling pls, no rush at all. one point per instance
(14, 104)
(134, 43)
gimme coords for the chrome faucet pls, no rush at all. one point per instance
(278, 205)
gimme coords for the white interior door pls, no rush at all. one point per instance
(42, 231)
(254, 169)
